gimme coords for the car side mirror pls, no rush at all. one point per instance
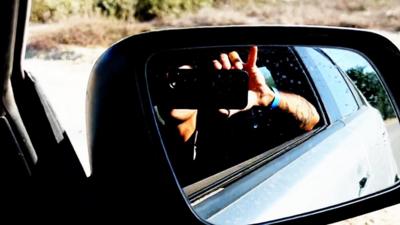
(284, 124)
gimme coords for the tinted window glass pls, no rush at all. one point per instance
(244, 135)
(340, 92)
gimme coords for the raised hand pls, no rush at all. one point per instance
(259, 93)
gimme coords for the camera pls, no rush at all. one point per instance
(194, 89)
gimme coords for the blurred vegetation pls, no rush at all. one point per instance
(86, 32)
(103, 22)
(368, 83)
(121, 9)
(55, 10)
(150, 9)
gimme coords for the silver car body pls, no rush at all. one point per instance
(350, 158)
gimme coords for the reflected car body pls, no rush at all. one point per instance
(311, 175)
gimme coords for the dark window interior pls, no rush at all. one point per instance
(221, 142)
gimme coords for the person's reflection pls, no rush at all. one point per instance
(259, 94)
(186, 121)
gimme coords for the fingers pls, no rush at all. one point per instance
(217, 64)
(236, 61)
(226, 64)
(252, 57)
(228, 61)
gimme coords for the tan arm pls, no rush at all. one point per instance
(302, 110)
(297, 106)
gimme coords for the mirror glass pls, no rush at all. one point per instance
(256, 133)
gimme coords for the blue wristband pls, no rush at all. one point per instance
(277, 99)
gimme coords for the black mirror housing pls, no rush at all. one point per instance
(128, 158)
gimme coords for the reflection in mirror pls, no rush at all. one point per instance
(256, 133)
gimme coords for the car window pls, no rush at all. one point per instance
(221, 144)
(226, 158)
(336, 84)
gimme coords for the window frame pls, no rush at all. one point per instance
(217, 200)
(323, 87)
(353, 89)
(211, 184)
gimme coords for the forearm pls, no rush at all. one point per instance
(302, 110)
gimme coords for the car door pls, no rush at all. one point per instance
(282, 186)
(38, 161)
(318, 163)
(372, 128)
(366, 130)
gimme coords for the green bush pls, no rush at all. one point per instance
(369, 84)
(122, 9)
(149, 9)
(53, 10)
